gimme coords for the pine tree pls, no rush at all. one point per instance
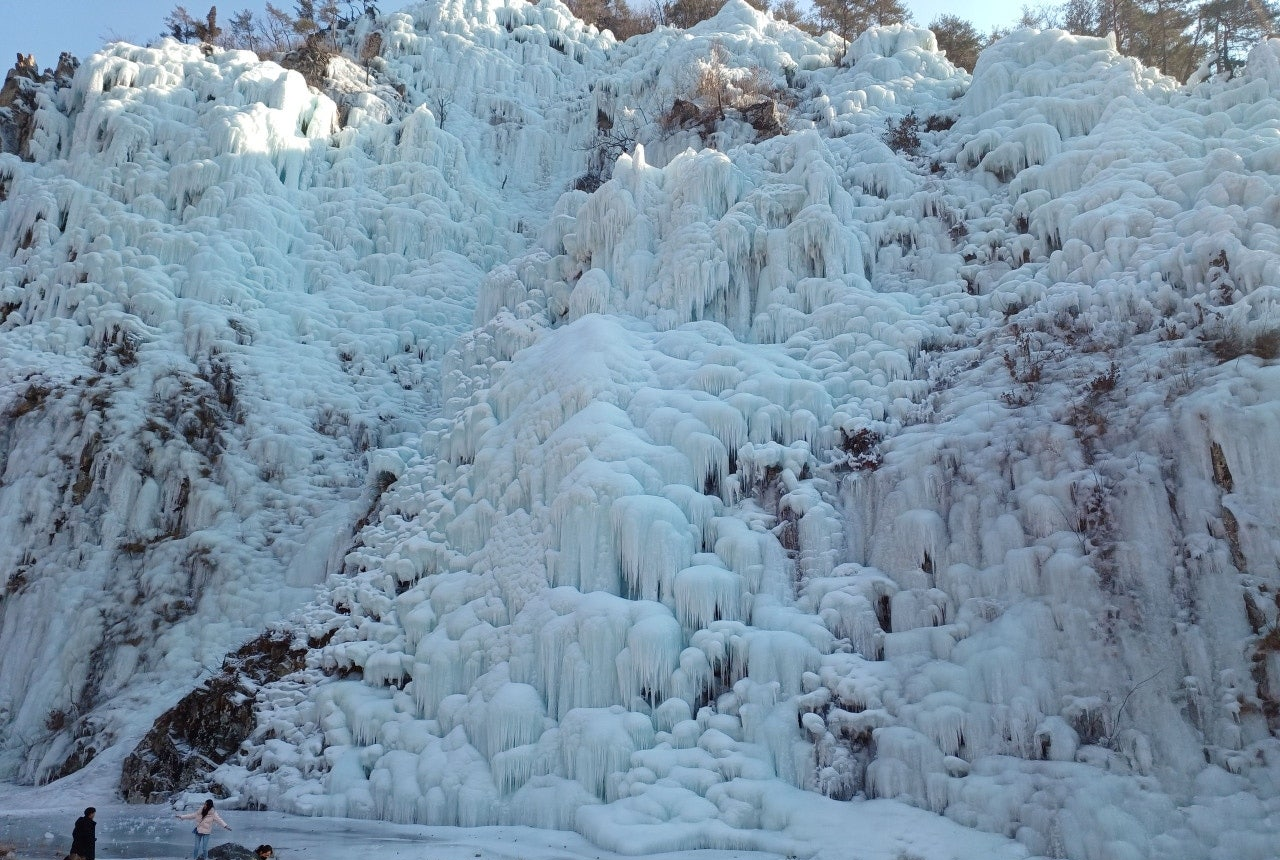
(1119, 17)
(1157, 32)
(277, 31)
(959, 38)
(182, 26)
(244, 31)
(685, 13)
(1080, 17)
(1232, 27)
(1166, 41)
(848, 18)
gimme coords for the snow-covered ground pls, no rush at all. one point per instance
(903, 483)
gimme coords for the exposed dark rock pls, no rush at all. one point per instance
(764, 117)
(311, 60)
(209, 724)
(18, 101)
(88, 738)
(18, 106)
(681, 115)
(230, 851)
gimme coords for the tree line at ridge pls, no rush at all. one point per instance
(1176, 36)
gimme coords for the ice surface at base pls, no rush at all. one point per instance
(942, 475)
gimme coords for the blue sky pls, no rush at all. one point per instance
(46, 27)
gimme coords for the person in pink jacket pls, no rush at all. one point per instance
(205, 818)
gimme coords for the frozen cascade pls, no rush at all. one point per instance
(769, 467)
(192, 231)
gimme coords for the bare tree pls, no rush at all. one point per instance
(440, 102)
(614, 15)
(371, 49)
(793, 13)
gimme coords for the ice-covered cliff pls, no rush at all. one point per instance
(657, 470)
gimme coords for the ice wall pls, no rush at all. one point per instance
(224, 298)
(922, 452)
(882, 474)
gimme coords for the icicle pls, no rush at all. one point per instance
(595, 743)
(703, 594)
(653, 538)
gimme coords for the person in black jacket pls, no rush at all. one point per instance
(84, 837)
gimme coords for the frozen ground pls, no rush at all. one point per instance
(37, 823)
(151, 831)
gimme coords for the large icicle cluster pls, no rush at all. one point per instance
(922, 452)
(222, 291)
(695, 468)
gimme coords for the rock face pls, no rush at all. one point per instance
(18, 100)
(208, 725)
(18, 104)
(311, 60)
